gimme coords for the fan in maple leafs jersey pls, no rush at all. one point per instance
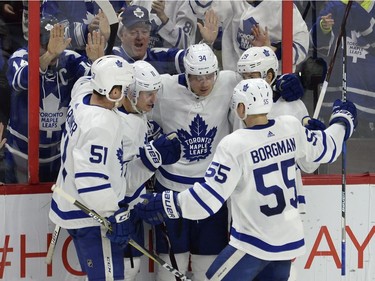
(56, 82)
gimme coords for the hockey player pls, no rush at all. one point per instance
(59, 70)
(99, 167)
(261, 62)
(135, 106)
(196, 105)
(199, 101)
(259, 178)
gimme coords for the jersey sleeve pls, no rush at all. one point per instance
(18, 70)
(321, 146)
(221, 178)
(184, 24)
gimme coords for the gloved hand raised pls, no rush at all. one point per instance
(313, 124)
(289, 87)
(345, 113)
(165, 150)
(157, 207)
(123, 226)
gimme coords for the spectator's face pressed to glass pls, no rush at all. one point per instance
(202, 85)
(135, 40)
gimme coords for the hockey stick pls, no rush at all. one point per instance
(343, 167)
(113, 21)
(332, 62)
(103, 221)
(169, 245)
(52, 245)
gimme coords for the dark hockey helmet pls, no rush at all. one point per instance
(46, 24)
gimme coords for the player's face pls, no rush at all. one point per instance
(252, 75)
(202, 85)
(146, 100)
(135, 40)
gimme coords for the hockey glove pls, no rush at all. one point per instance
(313, 124)
(122, 225)
(345, 113)
(289, 87)
(157, 207)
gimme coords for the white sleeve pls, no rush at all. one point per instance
(321, 146)
(221, 178)
(183, 23)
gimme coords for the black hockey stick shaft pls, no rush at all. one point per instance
(332, 61)
(103, 221)
(343, 164)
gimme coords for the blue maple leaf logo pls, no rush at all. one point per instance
(120, 157)
(197, 144)
(245, 36)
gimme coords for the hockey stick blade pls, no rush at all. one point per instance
(103, 221)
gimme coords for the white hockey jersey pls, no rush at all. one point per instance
(182, 22)
(98, 160)
(200, 124)
(255, 168)
(238, 17)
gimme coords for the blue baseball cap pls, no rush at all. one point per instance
(135, 14)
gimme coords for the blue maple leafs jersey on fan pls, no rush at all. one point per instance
(55, 88)
(200, 124)
(259, 177)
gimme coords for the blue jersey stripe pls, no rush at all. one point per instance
(213, 192)
(200, 201)
(179, 179)
(256, 242)
(94, 188)
(91, 174)
(69, 215)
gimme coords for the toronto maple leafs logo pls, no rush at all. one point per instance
(119, 63)
(138, 13)
(245, 87)
(244, 36)
(198, 143)
(120, 157)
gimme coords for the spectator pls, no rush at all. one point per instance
(80, 18)
(171, 22)
(11, 13)
(134, 32)
(249, 23)
(59, 69)
(360, 59)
